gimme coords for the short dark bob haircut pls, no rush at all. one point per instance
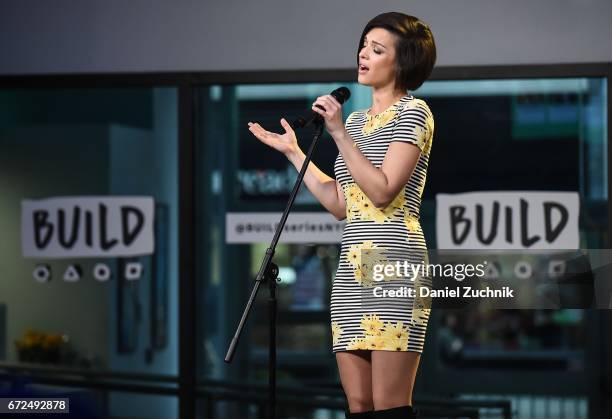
(415, 48)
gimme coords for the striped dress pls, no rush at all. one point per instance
(361, 318)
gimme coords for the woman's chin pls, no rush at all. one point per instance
(361, 79)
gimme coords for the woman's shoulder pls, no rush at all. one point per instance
(415, 112)
(416, 104)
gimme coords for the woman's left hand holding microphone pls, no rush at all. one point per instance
(332, 113)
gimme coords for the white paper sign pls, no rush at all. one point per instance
(301, 227)
(508, 220)
(87, 226)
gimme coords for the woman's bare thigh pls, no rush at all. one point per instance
(393, 375)
(355, 368)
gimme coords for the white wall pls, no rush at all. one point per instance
(188, 35)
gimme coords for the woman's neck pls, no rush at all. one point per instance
(383, 98)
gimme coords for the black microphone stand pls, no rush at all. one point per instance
(268, 272)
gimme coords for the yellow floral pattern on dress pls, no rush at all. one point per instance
(421, 134)
(360, 207)
(421, 307)
(427, 147)
(420, 316)
(363, 275)
(364, 272)
(429, 139)
(379, 335)
(413, 103)
(424, 135)
(396, 336)
(372, 324)
(336, 332)
(412, 222)
(375, 122)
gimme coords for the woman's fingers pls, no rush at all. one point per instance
(255, 129)
(286, 125)
(258, 130)
(330, 104)
(271, 139)
(260, 133)
(321, 104)
(334, 101)
(317, 109)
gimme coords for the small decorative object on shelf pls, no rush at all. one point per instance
(45, 348)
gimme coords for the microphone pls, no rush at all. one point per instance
(341, 94)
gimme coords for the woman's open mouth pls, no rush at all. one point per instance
(363, 69)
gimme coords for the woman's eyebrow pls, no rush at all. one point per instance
(374, 42)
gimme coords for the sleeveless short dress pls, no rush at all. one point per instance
(359, 320)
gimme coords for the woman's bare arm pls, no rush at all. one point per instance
(382, 184)
(323, 187)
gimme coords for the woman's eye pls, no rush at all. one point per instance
(376, 51)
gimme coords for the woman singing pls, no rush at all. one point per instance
(380, 174)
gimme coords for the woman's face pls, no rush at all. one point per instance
(377, 59)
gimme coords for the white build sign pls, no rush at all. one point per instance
(508, 220)
(87, 226)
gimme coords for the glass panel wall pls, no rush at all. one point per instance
(89, 249)
(88, 255)
(490, 135)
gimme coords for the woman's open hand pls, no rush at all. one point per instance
(285, 143)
